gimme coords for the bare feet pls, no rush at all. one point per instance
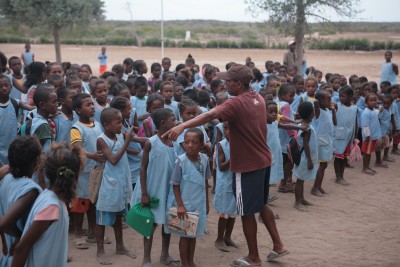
(341, 181)
(103, 259)
(316, 192)
(300, 207)
(381, 165)
(306, 203)
(124, 251)
(170, 261)
(221, 246)
(388, 159)
(322, 191)
(230, 243)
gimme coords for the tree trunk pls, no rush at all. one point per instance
(300, 29)
(57, 43)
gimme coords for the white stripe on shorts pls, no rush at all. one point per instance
(239, 200)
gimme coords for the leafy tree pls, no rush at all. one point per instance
(295, 13)
(53, 15)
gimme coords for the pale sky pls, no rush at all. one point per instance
(227, 10)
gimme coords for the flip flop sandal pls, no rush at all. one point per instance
(274, 255)
(80, 243)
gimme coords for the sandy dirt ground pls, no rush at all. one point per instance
(356, 225)
(343, 62)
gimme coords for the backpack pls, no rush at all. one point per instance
(141, 132)
(294, 150)
(25, 128)
(15, 105)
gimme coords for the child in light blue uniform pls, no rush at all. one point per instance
(385, 121)
(224, 200)
(100, 93)
(8, 118)
(139, 101)
(325, 119)
(307, 169)
(46, 229)
(84, 134)
(371, 133)
(154, 102)
(189, 190)
(134, 149)
(344, 132)
(18, 187)
(188, 110)
(167, 91)
(311, 85)
(155, 175)
(45, 100)
(395, 108)
(67, 117)
(298, 82)
(115, 188)
(389, 70)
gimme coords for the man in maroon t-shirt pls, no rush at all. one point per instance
(250, 157)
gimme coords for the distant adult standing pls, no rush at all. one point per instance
(27, 56)
(250, 157)
(103, 56)
(389, 70)
(290, 57)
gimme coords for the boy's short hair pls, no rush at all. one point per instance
(77, 100)
(182, 80)
(347, 90)
(63, 91)
(152, 98)
(42, 93)
(107, 115)
(203, 98)
(140, 81)
(160, 115)
(196, 131)
(305, 110)
(191, 93)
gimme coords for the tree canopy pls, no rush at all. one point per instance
(296, 13)
(53, 14)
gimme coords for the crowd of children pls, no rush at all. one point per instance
(71, 121)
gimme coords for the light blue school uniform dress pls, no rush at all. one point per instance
(178, 144)
(301, 171)
(134, 161)
(296, 102)
(86, 88)
(140, 105)
(224, 199)
(37, 121)
(284, 136)
(361, 107)
(384, 121)
(306, 98)
(256, 86)
(192, 188)
(8, 130)
(324, 132)
(115, 189)
(15, 93)
(12, 189)
(159, 170)
(52, 247)
(174, 107)
(89, 139)
(335, 96)
(369, 118)
(345, 127)
(387, 73)
(218, 127)
(63, 127)
(28, 57)
(98, 109)
(274, 145)
(395, 108)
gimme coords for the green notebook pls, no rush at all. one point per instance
(141, 218)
